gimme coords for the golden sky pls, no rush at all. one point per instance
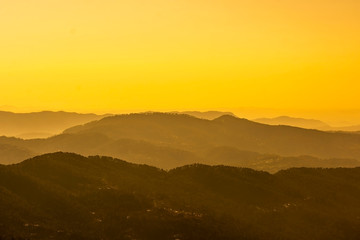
(114, 55)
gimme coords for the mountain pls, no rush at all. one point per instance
(270, 162)
(306, 123)
(41, 124)
(172, 140)
(210, 115)
(68, 196)
(144, 152)
(10, 154)
(295, 122)
(190, 133)
(353, 128)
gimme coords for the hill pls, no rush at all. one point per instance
(270, 162)
(306, 123)
(186, 132)
(353, 128)
(67, 196)
(295, 122)
(210, 115)
(41, 124)
(10, 154)
(173, 140)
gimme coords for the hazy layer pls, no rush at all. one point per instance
(171, 55)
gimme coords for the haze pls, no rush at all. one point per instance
(300, 57)
(180, 119)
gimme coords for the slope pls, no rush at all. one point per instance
(67, 196)
(172, 140)
(41, 124)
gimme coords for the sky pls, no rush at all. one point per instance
(296, 57)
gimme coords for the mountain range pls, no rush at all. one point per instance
(306, 123)
(210, 115)
(295, 122)
(68, 196)
(168, 140)
(41, 124)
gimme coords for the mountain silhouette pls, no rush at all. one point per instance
(186, 132)
(41, 124)
(295, 122)
(352, 128)
(210, 115)
(173, 140)
(68, 196)
(306, 123)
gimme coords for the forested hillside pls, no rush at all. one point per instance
(67, 196)
(173, 140)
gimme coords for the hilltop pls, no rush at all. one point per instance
(172, 140)
(68, 196)
(295, 122)
(306, 123)
(210, 115)
(41, 124)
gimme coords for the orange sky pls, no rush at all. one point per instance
(111, 55)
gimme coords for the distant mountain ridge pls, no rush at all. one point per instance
(185, 131)
(295, 122)
(210, 115)
(171, 140)
(41, 124)
(305, 123)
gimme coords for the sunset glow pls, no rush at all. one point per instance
(89, 55)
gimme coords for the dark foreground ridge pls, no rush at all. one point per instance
(68, 196)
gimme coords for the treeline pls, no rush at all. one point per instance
(67, 196)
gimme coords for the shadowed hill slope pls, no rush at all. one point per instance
(190, 133)
(172, 140)
(67, 196)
